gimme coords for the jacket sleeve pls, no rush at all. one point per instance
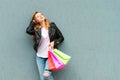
(30, 29)
(60, 37)
(37, 39)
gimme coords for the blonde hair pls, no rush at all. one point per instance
(47, 23)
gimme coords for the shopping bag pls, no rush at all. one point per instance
(57, 64)
(51, 64)
(61, 56)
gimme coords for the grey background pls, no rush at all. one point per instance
(91, 30)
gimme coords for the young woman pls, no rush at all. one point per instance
(46, 35)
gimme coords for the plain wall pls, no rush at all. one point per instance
(91, 29)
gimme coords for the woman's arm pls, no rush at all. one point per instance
(60, 37)
(30, 29)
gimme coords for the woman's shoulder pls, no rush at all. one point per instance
(52, 23)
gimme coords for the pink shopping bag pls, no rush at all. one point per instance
(51, 64)
(57, 63)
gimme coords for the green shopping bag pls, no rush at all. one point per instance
(62, 56)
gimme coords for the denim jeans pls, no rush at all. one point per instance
(42, 64)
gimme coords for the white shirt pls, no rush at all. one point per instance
(43, 46)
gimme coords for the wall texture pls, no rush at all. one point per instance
(91, 30)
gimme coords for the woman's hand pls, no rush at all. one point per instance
(33, 21)
(51, 44)
(33, 37)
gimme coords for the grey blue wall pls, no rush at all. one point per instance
(91, 29)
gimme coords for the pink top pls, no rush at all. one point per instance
(43, 46)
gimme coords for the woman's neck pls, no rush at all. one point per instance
(43, 25)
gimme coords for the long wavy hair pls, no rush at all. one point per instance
(47, 23)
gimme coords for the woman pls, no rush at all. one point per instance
(46, 35)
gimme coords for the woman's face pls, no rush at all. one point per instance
(39, 17)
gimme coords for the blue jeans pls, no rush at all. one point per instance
(42, 64)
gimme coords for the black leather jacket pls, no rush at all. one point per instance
(54, 34)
